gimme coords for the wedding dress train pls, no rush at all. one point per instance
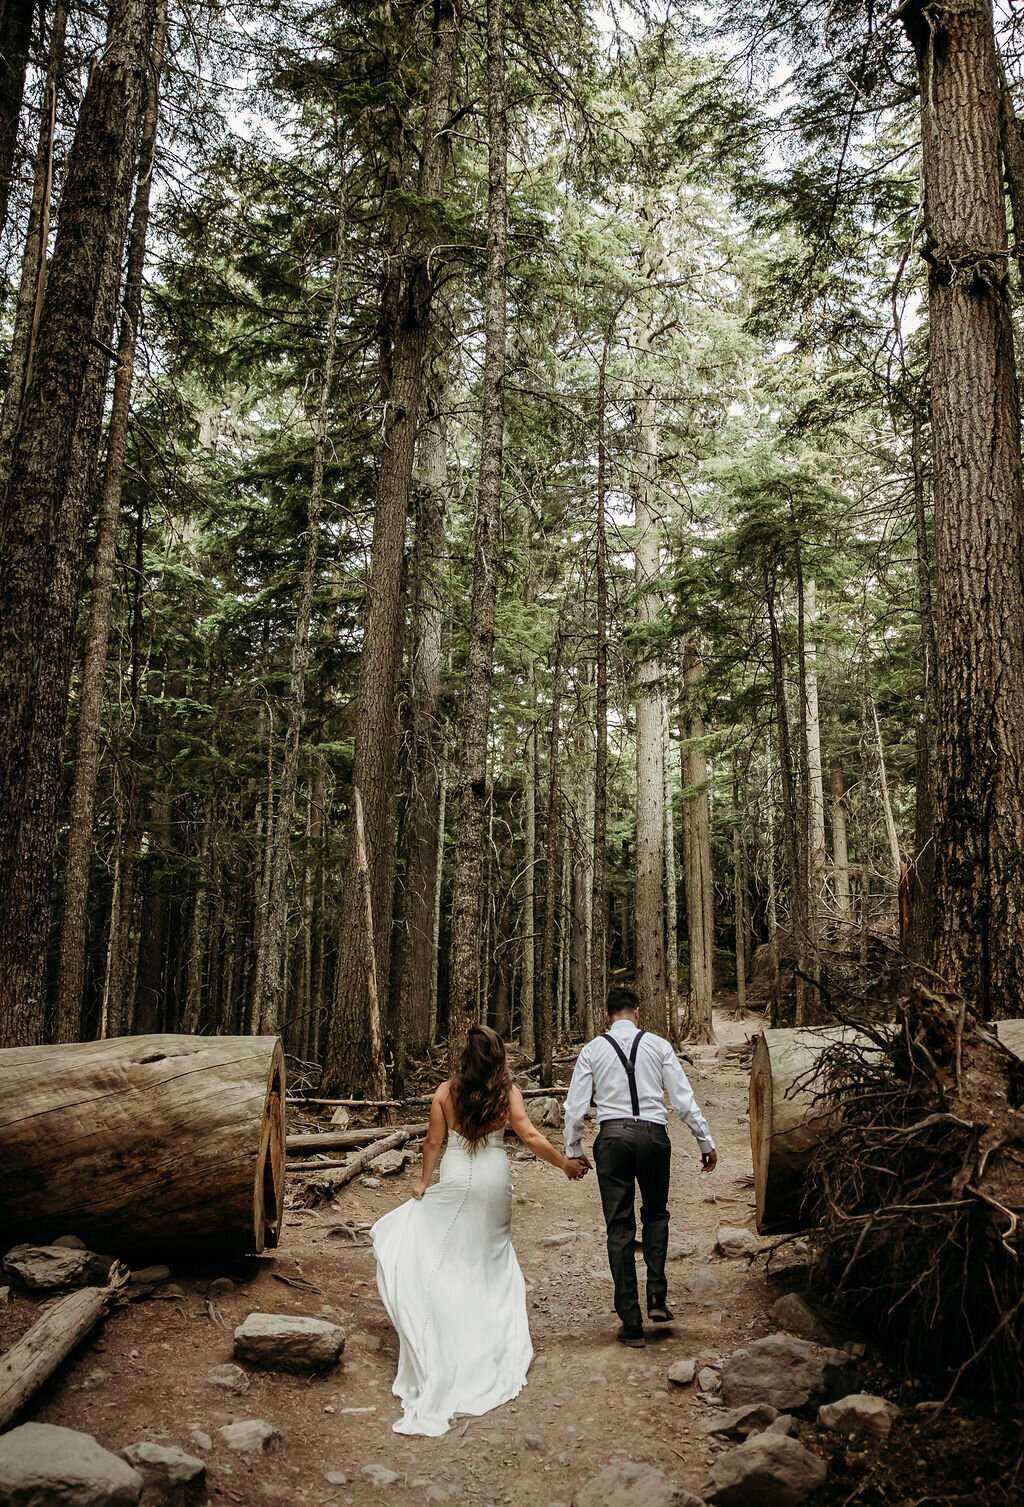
(453, 1289)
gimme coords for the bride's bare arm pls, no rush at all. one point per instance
(573, 1167)
(433, 1141)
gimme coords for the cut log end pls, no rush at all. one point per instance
(268, 1198)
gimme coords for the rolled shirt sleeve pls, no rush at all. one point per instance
(682, 1099)
(577, 1102)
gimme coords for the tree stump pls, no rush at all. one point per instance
(144, 1144)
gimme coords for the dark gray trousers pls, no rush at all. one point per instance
(627, 1153)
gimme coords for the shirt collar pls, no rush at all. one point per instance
(624, 1027)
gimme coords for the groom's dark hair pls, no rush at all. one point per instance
(621, 1001)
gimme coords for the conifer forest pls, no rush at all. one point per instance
(500, 498)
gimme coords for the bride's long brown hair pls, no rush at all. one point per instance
(481, 1087)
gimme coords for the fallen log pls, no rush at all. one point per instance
(36, 1356)
(788, 1119)
(144, 1144)
(319, 1187)
(348, 1140)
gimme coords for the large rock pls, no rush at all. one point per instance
(44, 1268)
(739, 1423)
(544, 1112)
(768, 1470)
(789, 1373)
(388, 1163)
(288, 1342)
(250, 1437)
(860, 1414)
(42, 1465)
(733, 1241)
(167, 1468)
(626, 1484)
(796, 1316)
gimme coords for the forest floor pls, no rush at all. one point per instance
(588, 1401)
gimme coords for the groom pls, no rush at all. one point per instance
(628, 1072)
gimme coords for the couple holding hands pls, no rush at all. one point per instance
(446, 1269)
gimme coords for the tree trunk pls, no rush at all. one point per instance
(700, 890)
(599, 894)
(790, 812)
(33, 262)
(922, 876)
(840, 850)
(675, 1014)
(427, 614)
(187, 1153)
(548, 1018)
(816, 854)
(407, 303)
(528, 1000)
(90, 700)
(472, 774)
(15, 36)
(979, 510)
(46, 504)
(739, 904)
(890, 821)
(649, 908)
(435, 934)
(269, 1003)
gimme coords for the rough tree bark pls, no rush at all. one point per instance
(15, 36)
(599, 892)
(270, 993)
(700, 889)
(407, 303)
(467, 898)
(547, 1018)
(426, 753)
(46, 503)
(90, 697)
(840, 846)
(979, 510)
(649, 906)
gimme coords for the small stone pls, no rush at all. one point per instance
(341, 1119)
(928, 1409)
(72, 1242)
(739, 1423)
(170, 1293)
(767, 1469)
(436, 1493)
(5, 1295)
(682, 1373)
(731, 1241)
(45, 1268)
(365, 1341)
(164, 1466)
(289, 1342)
(201, 1439)
(782, 1425)
(380, 1475)
(569, 1238)
(336, 1478)
(709, 1379)
(544, 1111)
(795, 1316)
(678, 1250)
(370, 1182)
(149, 1276)
(860, 1415)
(230, 1378)
(495, 1438)
(625, 1483)
(250, 1437)
(702, 1283)
(388, 1163)
(533, 1441)
(43, 1465)
(220, 1287)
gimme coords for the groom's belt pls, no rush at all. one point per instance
(631, 1120)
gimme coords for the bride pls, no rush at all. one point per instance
(446, 1270)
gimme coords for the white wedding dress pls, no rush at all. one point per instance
(453, 1289)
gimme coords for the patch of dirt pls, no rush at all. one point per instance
(587, 1401)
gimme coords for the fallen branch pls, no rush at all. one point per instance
(317, 1189)
(349, 1140)
(51, 1339)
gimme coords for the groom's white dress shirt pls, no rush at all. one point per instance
(599, 1075)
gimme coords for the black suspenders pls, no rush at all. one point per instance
(629, 1063)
